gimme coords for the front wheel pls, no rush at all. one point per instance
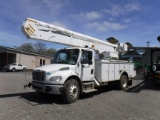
(71, 91)
(123, 82)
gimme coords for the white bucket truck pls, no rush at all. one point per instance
(87, 64)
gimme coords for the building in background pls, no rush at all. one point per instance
(142, 54)
(30, 60)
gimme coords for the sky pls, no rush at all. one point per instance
(134, 21)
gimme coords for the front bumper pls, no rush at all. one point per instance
(47, 88)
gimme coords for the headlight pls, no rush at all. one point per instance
(48, 73)
(55, 78)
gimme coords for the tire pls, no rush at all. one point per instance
(71, 91)
(123, 82)
(13, 69)
(23, 69)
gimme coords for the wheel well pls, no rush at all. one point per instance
(124, 73)
(78, 80)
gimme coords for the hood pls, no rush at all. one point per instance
(53, 67)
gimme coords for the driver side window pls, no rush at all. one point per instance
(86, 57)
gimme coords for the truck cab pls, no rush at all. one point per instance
(72, 64)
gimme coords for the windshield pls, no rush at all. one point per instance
(67, 56)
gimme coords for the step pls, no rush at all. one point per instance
(88, 83)
(89, 90)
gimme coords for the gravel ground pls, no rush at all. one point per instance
(141, 101)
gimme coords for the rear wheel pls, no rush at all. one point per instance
(13, 69)
(123, 82)
(23, 69)
(71, 91)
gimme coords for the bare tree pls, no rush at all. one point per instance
(40, 48)
(28, 47)
(50, 52)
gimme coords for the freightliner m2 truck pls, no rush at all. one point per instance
(87, 64)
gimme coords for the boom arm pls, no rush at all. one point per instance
(46, 32)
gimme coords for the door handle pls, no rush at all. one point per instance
(92, 71)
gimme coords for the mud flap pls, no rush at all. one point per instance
(129, 82)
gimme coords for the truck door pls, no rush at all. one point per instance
(87, 63)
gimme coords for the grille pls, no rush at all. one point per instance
(38, 75)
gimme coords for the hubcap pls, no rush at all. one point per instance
(124, 82)
(73, 91)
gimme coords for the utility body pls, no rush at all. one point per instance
(87, 64)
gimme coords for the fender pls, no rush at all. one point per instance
(129, 78)
(122, 72)
(67, 75)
